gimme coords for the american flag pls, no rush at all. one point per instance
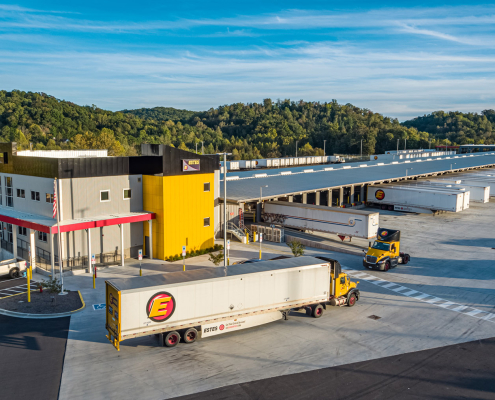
(54, 198)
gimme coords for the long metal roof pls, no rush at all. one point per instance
(281, 183)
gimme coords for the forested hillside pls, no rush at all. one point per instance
(267, 129)
(457, 127)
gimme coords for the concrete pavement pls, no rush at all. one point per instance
(452, 259)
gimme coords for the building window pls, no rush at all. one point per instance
(35, 196)
(9, 192)
(104, 195)
(49, 198)
(22, 231)
(206, 222)
(7, 232)
(42, 236)
(21, 193)
(207, 187)
(127, 194)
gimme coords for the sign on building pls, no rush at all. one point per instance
(190, 165)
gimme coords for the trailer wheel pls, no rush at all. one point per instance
(190, 335)
(317, 311)
(171, 339)
(405, 259)
(352, 300)
(14, 273)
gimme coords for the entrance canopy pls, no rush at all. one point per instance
(48, 225)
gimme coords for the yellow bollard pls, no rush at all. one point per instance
(28, 274)
(140, 271)
(94, 279)
(184, 267)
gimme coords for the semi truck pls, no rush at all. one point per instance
(414, 200)
(189, 305)
(385, 252)
(343, 222)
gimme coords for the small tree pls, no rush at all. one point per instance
(53, 285)
(296, 247)
(216, 258)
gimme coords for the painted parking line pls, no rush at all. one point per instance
(424, 297)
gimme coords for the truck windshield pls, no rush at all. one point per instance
(381, 246)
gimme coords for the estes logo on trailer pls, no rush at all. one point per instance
(160, 307)
(380, 194)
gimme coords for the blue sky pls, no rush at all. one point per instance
(400, 59)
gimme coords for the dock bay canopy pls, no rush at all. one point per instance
(244, 186)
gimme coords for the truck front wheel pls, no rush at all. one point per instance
(317, 311)
(352, 300)
(14, 273)
(171, 339)
(190, 335)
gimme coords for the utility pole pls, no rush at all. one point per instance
(324, 147)
(398, 145)
(429, 143)
(405, 144)
(296, 147)
(361, 147)
(202, 148)
(225, 207)
(196, 147)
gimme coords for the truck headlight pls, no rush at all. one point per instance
(381, 262)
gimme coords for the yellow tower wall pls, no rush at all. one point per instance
(181, 205)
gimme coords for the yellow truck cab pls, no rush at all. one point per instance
(385, 252)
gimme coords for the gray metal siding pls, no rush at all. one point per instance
(81, 196)
(30, 183)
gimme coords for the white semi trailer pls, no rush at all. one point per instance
(414, 200)
(343, 222)
(479, 193)
(205, 302)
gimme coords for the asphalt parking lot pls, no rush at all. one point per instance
(452, 265)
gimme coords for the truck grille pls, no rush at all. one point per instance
(371, 259)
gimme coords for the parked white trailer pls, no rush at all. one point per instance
(212, 301)
(438, 188)
(12, 267)
(418, 200)
(246, 164)
(479, 193)
(346, 222)
(478, 180)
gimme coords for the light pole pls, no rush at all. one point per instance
(451, 166)
(296, 147)
(196, 147)
(225, 207)
(324, 148)
(398, 145)
(261, 205)
(429, 143)
(202, 148)
(407, 169)
(361, 148)
(405, 144)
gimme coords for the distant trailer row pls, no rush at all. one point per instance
(280, 162)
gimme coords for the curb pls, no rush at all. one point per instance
(323, 246)
(43, 316)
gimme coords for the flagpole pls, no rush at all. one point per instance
(59, 239)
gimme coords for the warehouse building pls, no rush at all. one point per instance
(109, 206)
(337, 186)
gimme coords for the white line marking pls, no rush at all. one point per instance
(422, 296)
(389, 285)
(445, 305)
(474, 312)
(435, 300)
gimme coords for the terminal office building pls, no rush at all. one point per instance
(110, 207)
